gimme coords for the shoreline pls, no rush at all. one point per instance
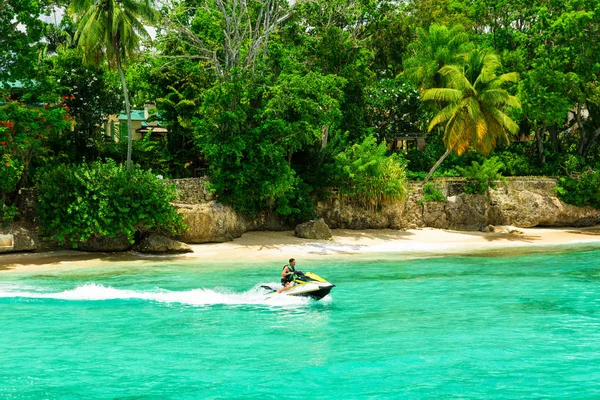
(279, 246)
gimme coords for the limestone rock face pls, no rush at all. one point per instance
(535, 204)
(192, 190)
(211, 222)
(105, 244)
(522, 202)
(466, 211)
(17, 238)
(315, 229)
(435, 215)
(348, 216)
(158, 244)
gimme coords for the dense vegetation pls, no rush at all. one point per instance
(282, 102)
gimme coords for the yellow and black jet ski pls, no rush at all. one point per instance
(304, 285)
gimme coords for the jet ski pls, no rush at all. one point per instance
(304, 285)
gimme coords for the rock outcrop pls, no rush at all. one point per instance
(315, 229)
(521, 202)
(154, 243)
(17, 238)
(211, 222)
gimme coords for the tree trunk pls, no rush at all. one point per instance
(583, 138)
(554, 137)
(128, 109)
(540, 143)
(324, 136)
(21, 182)
(591, 142)
(437, 164)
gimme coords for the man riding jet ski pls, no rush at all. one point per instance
(296, 283)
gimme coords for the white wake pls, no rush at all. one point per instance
(195, 297)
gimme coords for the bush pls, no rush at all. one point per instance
(432, 193)
(582, 191)
(481, 177)
(514, 164)
(79, 202)
(366, 176)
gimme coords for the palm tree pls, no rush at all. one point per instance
(112, 29)
(434, 48)
(474, 115)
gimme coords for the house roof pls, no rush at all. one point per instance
(16, 84)
(136, 115)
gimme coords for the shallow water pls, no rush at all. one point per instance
(478, 326)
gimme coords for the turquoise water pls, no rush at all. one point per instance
(465, 327)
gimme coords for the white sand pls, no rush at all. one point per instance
(279, 246)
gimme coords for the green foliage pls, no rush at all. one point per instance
(581, 191)
(431, 192)
(394, 108)
(10, 173)
(514, 164)
(80, 202)
(248, 135)
(21, 29)
(90, 95)
(482, 176)
(366, 176)
(433, 49)
(25, 133)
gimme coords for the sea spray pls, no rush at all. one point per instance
(195, 297)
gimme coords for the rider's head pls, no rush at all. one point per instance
(292, 261)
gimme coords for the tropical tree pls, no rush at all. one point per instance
(433, 49)
(112, 29)
(474, 116)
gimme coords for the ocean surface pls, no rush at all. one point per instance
(496, 325)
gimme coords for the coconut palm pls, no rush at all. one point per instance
(112, 29)
(433, 49)
(474, 114)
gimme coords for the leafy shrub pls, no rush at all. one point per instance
(432, 193)
(482, 176)
(7, 213)
(366, 176)
(514, 164)
(582, 191)
(10, 173)
(78, 202)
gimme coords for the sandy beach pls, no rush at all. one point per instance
(279, 246)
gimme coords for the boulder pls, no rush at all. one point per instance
(315, 229)
(211, 222)
(157, 244)
(17, 238)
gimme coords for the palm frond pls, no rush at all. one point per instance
(446, 95)
(505, 121)
(455, 77)
(444, 115)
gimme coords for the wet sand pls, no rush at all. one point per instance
(279, 246)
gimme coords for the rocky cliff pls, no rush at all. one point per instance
(521, 202)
